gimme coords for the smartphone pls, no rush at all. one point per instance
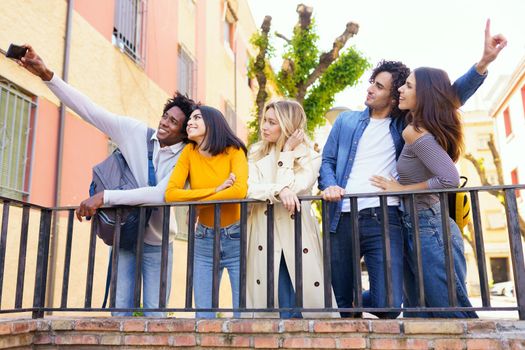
(16, 52)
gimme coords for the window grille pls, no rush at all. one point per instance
(17, 117)
(186, 76)
(129, 32)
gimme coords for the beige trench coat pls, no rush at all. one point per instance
(297, 170)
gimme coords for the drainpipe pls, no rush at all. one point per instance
(60, 145)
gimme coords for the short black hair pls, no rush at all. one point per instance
(219, 135)
(186, 105)
(399, 73)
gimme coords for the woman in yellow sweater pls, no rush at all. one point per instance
(215, 165)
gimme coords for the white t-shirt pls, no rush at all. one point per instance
(376, 155)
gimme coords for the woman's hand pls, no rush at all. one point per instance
(386, 184)
(289, 200)
(294, 140)
(227, 183)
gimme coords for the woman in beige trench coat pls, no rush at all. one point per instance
(282, 166)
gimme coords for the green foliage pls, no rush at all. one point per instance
(301, 57)
(345, 71)
(302, 50)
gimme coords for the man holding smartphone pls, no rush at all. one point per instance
(128, 133)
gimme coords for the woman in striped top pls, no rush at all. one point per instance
(433, 142)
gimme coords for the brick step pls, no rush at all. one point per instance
(145, 333)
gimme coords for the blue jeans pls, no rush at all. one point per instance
(285, 292)
(230, 255)
(150, 279)
(433, 259)
(371, 247)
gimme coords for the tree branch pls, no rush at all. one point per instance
(327, 58)
(496, 158)
(260, 64)
(305, 16)
(480, 169)
(279, 35)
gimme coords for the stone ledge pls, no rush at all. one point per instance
(145, 333)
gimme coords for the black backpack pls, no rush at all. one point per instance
(114, 174)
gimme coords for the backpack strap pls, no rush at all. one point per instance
(152, 179)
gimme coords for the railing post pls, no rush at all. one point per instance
(298, 228)
(244, 252)
(449, 258)
(21, 272)
(480, 248)
(356, 253)
(270, 277)
(516, 249)
(216, 256)
(387, 252)
(190, 256)
(139, 256)
(327, 254)
(163, 292)
(3, 241)
(67, 259)
(115, 252)
(39, 298)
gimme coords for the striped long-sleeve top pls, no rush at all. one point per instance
(425, 160)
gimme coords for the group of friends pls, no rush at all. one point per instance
(408, 138)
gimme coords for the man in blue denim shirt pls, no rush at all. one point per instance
(366, 143)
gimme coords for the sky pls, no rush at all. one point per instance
(446, 34)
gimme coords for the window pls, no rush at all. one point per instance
(500, 269)
(17, 117)
(483, 142)
(495, 219)
(515, 180)
(229, 25)
(231, 116)
(130, 27)
(186, 67)
(506, 119)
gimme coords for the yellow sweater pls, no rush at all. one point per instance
(205, 174)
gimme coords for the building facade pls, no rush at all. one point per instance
(478, 126)
(508, 112)
(128, 56)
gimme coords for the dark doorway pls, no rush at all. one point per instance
(500, 269)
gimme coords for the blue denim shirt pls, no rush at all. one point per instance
(341, 147)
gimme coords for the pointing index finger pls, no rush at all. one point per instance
(487, 28)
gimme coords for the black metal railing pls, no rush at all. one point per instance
(22, 229)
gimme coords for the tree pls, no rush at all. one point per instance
(310, 77)
(479, 165)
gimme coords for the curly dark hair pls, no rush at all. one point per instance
(399, 73)
(186, 105)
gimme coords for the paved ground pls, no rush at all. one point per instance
(496, 301)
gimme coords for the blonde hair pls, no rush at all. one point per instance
(290, 116)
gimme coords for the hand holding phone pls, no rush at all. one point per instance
(16, 52)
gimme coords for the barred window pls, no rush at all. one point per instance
(17, 118)
(186, 69)
(129, 32)
(230, 18)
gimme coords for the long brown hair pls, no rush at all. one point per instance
(437, 110)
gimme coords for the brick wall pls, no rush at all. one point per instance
(141, 333)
